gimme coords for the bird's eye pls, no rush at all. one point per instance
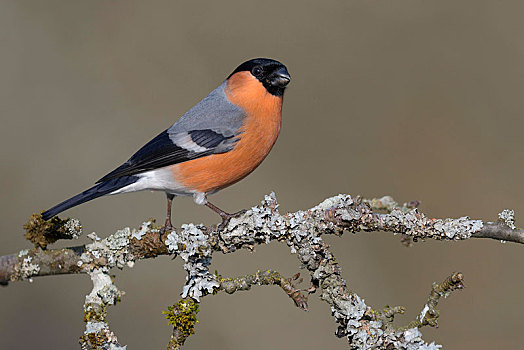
(257, 71)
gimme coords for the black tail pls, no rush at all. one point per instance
(96, 191)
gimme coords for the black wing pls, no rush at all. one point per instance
(168, 149)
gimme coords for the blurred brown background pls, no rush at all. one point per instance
(415, 99)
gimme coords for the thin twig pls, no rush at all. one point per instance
(265, 278)
(429, 315)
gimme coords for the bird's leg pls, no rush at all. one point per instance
(168, 226)
(225, 216)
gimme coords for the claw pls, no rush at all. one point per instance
(167, 228)
(226, 217)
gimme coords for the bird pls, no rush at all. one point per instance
(215, 144)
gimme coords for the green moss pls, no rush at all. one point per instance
(42, 233)
(182, 316)
(96, 341)
(220, 279)
(218, 276)
(153, 225)
(95, 314)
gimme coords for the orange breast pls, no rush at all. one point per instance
(259, 133)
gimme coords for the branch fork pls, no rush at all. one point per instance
(362, 326)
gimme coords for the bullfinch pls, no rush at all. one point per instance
(218, 142)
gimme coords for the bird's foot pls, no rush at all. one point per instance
(168, 227)
(226, 217)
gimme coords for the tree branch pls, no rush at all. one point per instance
(429, 315)
(265, 278)
(301, 231)
(182, 315)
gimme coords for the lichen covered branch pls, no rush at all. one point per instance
(429, 314)
(302, 231)
(97, 334)
(265, 278)
(182, 315)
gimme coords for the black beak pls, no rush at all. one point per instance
(280, 77)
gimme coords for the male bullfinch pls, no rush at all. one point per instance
(216, 143)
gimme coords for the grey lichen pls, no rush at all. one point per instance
(23, 252)
(460, 228)
(411, 339)
(507, 216)
(112, 250)
(73, 228)
(386, 203)
(104, 293)
(27, 269)
(192, 245)
(418, 226)
(333, 202)
(146, 227)
(260, 224)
